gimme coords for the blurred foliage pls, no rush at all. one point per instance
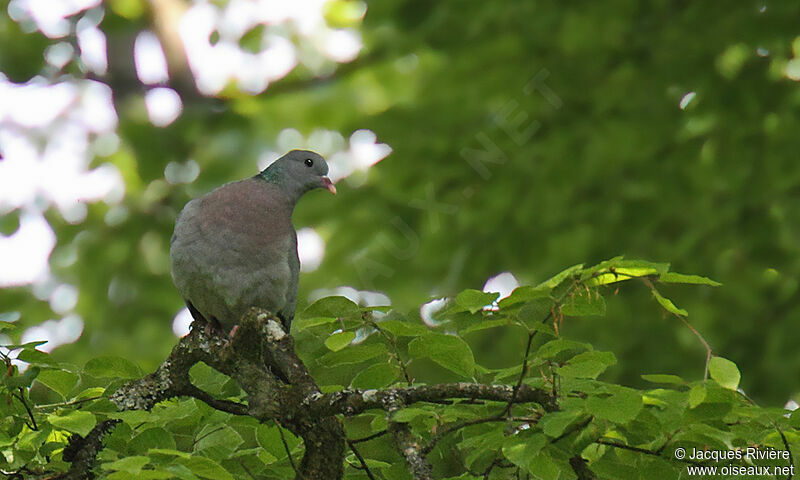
(526, 136)
(620, 432)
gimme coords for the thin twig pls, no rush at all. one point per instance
(645, 451)
(496, 462)
(702, 340)
(286, 447)
(247, 470)
(786, 446)
(510, 405)
(572, 429)
(360, 459)
(197, 440)
(21, 398)
(228, 406)
(66, 404)
(448, 429)
(697, 334)
(369, 437)
(532, 334)
(406, 442)
(395, 351)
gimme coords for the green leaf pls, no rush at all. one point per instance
(584, 303)
(299, 324)
(403, 329)
(519, 449)
(338, 341)
(672, 277)
(331, 307)
(212, 381)
(132, 464)
(602, 266)
(77, 421)
(406, 415)
(376, 376)
(151, 438)
(662, 378)
(60, 381)
(621, 406)
(475, 300)
(522, 294)
(725, 372)
(484, 325)
(37, 357)
(90, 393)
(169, 452)
(553, 424)
(641, 267)
(560, 349)
(206, 468)
(8, 327)
(668, 305)
(269, 438)
(24, 380)
(696, 395)
(449, 351)
(587, 365)
(112, 367)
(620, 270)
(543, 467)
(216, 442)
(373, 464)
(535, 311)
(354, 354)
(561, 276)
(26, 346)
(134, 417)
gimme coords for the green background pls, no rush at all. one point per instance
(526, 137)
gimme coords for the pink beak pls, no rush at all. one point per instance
(326, 183)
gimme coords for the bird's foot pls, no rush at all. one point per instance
(232, 333)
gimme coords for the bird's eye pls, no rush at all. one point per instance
(309, 162)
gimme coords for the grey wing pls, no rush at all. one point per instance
(222, 277)
(291, 295)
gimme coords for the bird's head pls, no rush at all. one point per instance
(298, 172)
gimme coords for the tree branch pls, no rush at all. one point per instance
(353, 402)
(82, 451)
(260, 357)
(406, 443)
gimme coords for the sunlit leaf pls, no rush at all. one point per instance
(672, 277)
(662, 378)
(725, 372)
(668, 305)
(697, 394)
(561, 276)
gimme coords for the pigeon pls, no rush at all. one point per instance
(236, 247)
